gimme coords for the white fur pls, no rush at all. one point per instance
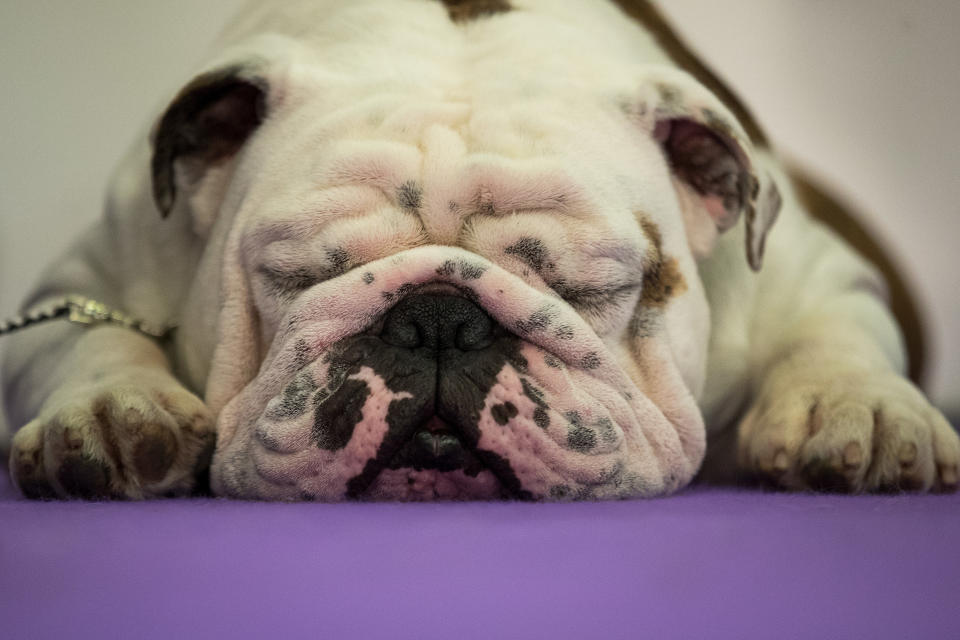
(524, 111)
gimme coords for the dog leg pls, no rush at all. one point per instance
(99, 411)
(829, 407)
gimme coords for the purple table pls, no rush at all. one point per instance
(707, 563)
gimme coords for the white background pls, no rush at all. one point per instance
(863, 92)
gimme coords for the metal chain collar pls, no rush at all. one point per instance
(83, 311)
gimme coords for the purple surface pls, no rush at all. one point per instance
(707, 563)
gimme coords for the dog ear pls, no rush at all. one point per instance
(712, 161)
(205, 125)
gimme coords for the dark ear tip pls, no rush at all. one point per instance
(755, 247)
(161, 169)
(760, 217)
(163, 198)
(163, 193)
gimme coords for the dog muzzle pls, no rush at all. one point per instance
(435, 374)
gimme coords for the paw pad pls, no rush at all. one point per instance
(155, 453)
(84, 477)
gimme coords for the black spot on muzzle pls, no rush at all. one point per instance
(446, 352)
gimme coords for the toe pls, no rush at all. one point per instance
(903, 451)
(836, 456)
(946, 453)
(771, 447)
(26, 470)
(27, 464)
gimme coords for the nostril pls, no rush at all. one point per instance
(475, 333)
(402, 331)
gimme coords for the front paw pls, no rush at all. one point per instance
(134, 435)
(849, 431)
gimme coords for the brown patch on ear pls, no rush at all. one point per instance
(662, 279)
(466, 10)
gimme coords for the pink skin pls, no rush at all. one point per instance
(635, 447)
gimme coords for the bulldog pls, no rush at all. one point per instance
(425, 249)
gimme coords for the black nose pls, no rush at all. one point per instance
(438, 322)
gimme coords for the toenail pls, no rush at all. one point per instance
(72, 439)
(852, 455)
(780, 461)
(25, 465)
(908, 454)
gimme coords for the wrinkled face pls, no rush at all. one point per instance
(432, 285)
(435, 322)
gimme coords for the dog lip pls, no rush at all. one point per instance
(435, 446)
(436, 288)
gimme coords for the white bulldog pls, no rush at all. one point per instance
(422, 249)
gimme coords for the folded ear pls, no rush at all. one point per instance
(205, 125)
(712, 162)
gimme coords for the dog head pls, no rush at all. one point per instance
(437, 274)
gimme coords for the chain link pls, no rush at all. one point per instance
(82, 311)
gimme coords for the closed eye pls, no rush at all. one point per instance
(287, 284)
(591, 298)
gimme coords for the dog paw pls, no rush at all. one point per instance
(136, 435)
(853, 431)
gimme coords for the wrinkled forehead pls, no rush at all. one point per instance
(443, 160)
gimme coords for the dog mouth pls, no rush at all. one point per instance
(436, 447)
(440, 354)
